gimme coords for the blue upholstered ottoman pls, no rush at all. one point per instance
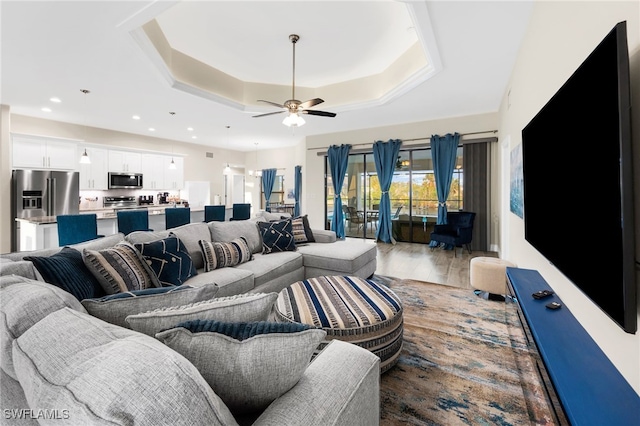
(351, 309)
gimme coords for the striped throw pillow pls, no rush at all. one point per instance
(221, 255)
(299, 236)
(120, 268)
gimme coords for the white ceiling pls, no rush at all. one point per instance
(55, 49)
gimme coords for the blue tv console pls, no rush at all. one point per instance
(582, 384)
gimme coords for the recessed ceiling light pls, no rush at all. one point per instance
(190, 129)
(194, 137)
(56, 100)
(136, 117)
(45, 109)
(151, 129)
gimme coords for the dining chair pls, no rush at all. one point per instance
(241, 211)
(214, 213)
(133, 220)
(347, 216)
(358, 217)
(397, 213)
(176, 216)
(77, 228)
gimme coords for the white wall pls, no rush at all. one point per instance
(284, 159)
(6, 221)
(560, 36)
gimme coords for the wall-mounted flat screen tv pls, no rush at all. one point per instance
(578, 180)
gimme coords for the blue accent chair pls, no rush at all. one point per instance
(77, 228)
(241, 211)
(458, 231)
(175, 217)
(214, 213)
(133, 220)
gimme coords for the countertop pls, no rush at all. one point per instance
(105, 213)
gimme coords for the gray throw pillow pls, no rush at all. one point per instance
(115, 308)
(120, 268)
(190, 234)
(104, 374)
(227, 231)
(249, 374)
(247, 307)
(22, 304)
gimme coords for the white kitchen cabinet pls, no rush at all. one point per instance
(41, 153)
(174, 178)
(153, 166)
(94, 175)
(125, 161)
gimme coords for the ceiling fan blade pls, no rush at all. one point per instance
(311, 102)
(268, 113)
(271, 103)
(321, 113)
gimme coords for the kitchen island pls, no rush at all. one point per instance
(42, 232)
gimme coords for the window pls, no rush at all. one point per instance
(277, 194)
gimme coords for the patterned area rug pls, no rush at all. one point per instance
(464, 362)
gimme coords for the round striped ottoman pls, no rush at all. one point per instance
(351, 309)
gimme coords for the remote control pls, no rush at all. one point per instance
(541, 294)
(553, 305)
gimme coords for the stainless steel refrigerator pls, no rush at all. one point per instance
(36, 193)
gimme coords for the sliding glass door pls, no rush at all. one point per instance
(360, 193)
(414, 202)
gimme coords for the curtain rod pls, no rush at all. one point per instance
(422, 139)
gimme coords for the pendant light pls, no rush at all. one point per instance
(172, 164)
(256, 173)
(84, 158)
(227, 169)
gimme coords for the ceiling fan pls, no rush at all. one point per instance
(294, 107)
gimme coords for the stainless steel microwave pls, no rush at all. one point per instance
(125, 180)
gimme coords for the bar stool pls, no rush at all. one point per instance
(77, 228)
(241, 211)
(214, 213)
(133, 220)
(174, 217)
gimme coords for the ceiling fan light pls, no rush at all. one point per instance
(288, 120)
(293, 119)
(84, 158)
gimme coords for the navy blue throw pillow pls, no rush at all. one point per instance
(67, 270)
(277, 236)
(169, 259)
(242, 330)
(143, 292)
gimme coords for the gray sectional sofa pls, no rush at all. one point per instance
(62, 365)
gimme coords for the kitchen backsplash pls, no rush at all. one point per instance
(93, 200)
